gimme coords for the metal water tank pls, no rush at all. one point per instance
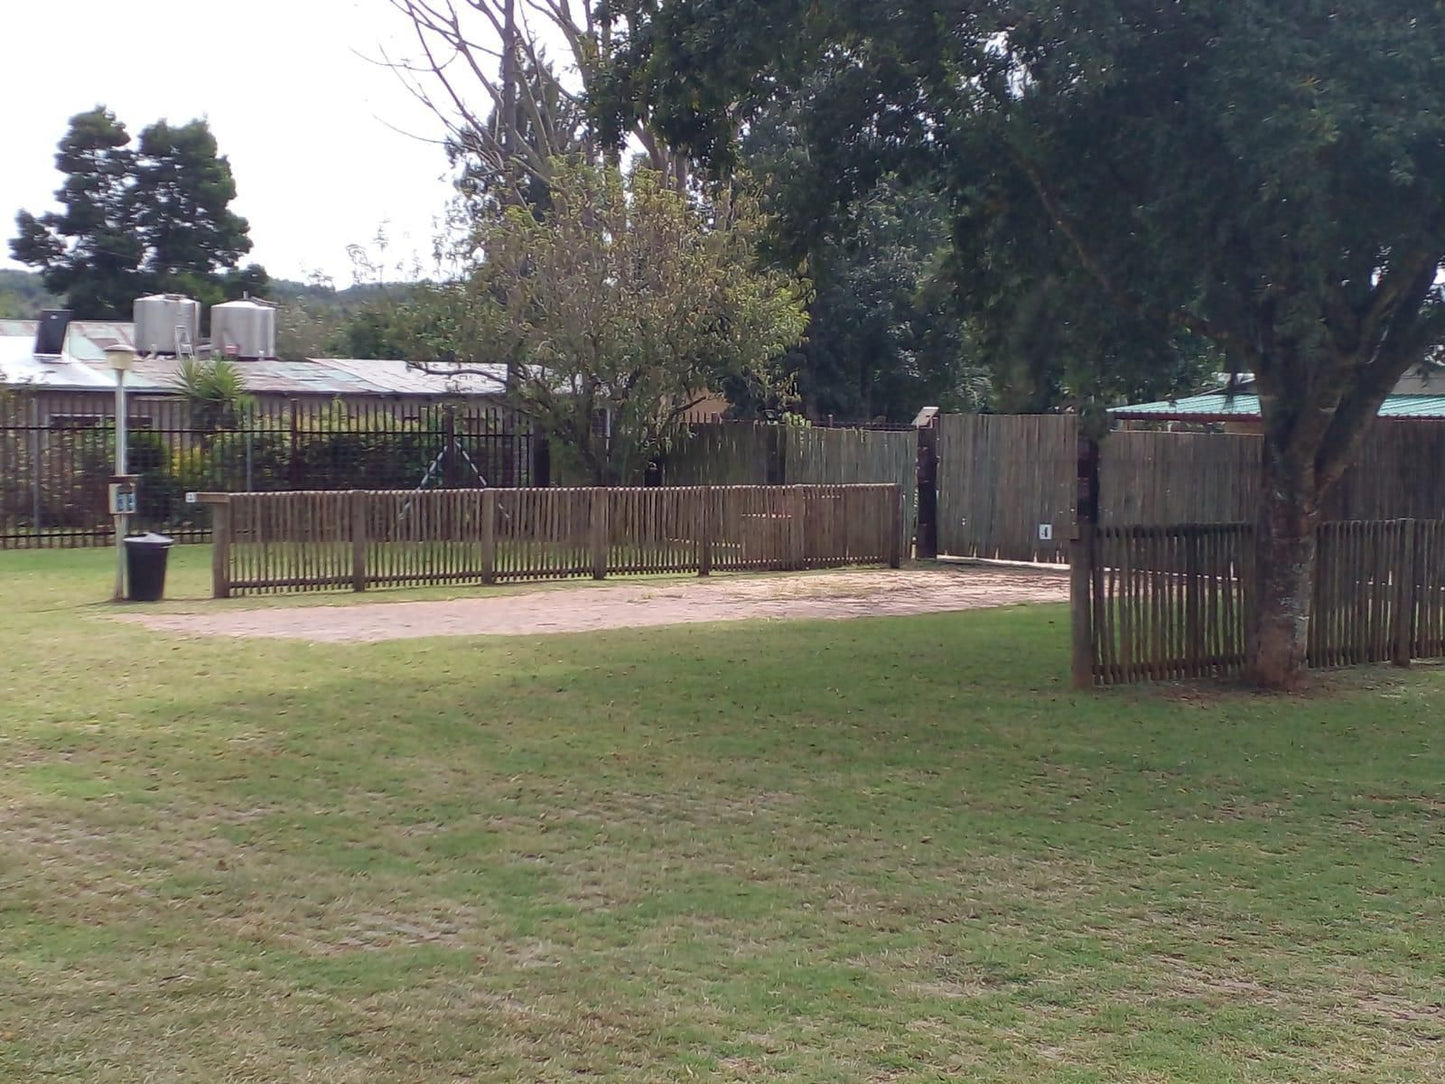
(166, 324)
(243, 329)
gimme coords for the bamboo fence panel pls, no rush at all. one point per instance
(1157, 479)
(724, 453)
(1396, 474)
(816, 456)
(276, 542)
(1172, 602)
(1000, 477)
(744, 453)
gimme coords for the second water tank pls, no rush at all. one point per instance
(243, 329)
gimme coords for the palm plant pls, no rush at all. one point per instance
(215, 388)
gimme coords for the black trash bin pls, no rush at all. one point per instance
(145, 566)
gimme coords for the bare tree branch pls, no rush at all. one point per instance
(1094, 265)
(483, 69)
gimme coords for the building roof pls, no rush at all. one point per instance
(1220, 407)
(82, 367)
(400, 378)
(76, 369)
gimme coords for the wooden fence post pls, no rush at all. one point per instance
(705, 518)
(797, 528)
(359, 541)
(1082, 552)
(926, 473)
(895, 541)
(1405, 595)
(1081, 575)
(221, 548)
(489, 536)
(599, 533)
(777, 464)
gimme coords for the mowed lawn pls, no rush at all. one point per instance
(881, 850)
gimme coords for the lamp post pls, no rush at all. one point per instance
(120, 357)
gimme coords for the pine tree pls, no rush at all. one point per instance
(138, 218)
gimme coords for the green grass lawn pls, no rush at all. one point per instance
(886, 850)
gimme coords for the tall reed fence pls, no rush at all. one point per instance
(1003, 477)
(1173, 602)
(283, 542)
(1000, 478)
(746, 453)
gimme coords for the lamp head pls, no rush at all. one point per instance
(120, 357)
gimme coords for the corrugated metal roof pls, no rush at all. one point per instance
(20, 366)
(400, 378)
(83, 367)
(329, 376)
(1217, 406)
(1211, 405)
(85, 340)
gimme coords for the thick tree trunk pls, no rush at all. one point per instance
(1284, 574)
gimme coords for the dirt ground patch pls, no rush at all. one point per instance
(818, 595)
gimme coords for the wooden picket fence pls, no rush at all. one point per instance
(1171, 603)
(360, 539)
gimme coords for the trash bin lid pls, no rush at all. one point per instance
(150, 538)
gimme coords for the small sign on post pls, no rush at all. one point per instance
(122, 498)
(1046, 532)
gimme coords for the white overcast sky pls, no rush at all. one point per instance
(310, 127)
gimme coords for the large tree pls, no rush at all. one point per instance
(136, 219)
(884, 337)
(513, 82)
(607, 317)
(1266, 176)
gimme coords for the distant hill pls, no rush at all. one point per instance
(313, 321)
(288, 291)
(23, 296)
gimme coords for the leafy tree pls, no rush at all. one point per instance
(138, 219)
(612, 313)
(316, 320)
(309, 317)
(884, 337)
(1265, 176)
(375, 331)
(916, 304)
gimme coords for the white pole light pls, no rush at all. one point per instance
(120, 358)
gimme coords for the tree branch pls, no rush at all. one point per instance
(1118, 294)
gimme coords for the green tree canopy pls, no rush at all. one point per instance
(1263, 176)
(22, 295)
(138, 218)
(612, 313)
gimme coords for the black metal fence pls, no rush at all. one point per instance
(57, 455)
